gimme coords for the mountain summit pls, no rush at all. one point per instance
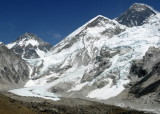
(136, 15)
(30, 46)
(29, 36)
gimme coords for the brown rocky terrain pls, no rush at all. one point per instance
(13, 104)
(10, 106)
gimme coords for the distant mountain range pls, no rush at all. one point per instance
(103, 59)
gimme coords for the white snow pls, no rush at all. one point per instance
(35, 93)
(30, 83)
(11, 45)
(82, 27)
(36, 89)
(108, 91)
(31, 41)
(24, 43)
(40, 53)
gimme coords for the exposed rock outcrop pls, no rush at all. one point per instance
(147, 87)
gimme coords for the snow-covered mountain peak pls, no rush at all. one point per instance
(136, 15)
(29, 38)
(29, 45)
(96, 28)
(99, 21)
(140, 7)
(95, 20)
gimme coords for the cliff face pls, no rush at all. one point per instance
(14, 71)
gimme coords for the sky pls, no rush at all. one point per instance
(53, 20)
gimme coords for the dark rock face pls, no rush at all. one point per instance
(24, 47)
(149, 84)
(13, 70)
(135, 15)
(149, 69)
(137, 68)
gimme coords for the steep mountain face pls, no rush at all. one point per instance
(13, 70)
(136, 15)
(29, 46)
(143, 92)
(149, 69)
(79, 48)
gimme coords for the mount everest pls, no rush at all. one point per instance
(99, 60)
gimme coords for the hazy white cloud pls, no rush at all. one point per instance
(57, 35)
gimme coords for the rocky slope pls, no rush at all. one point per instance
(148, 69)
(11, 106)
(14, 71)
(29, 105)
(143, 92)
(136, 15)
(30, 46)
